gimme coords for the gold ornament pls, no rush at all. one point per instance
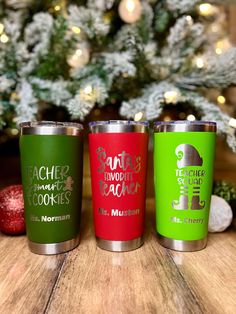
(130, 10)
(80, 57)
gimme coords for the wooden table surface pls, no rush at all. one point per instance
(151, 279)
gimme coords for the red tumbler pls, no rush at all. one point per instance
(118, 162)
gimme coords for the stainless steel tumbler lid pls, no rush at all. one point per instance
(118, 126)
(185, 126)
(51, 128)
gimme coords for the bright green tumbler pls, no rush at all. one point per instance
(183, 174)
(51, 168)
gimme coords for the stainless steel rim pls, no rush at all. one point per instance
(182, 245)
(185, 126)
(119, 246)
(118, 126)
(53, 248)
(51, 128)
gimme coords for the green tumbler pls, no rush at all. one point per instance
(51, 167)
(183, 173)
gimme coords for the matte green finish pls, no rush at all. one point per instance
(171, 181)
(51, 167)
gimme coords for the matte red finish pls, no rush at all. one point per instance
(118, 164)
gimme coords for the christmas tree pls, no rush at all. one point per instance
(144, 55)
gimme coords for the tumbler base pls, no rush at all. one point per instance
(182, 245)
(53, 248)
(119, 246)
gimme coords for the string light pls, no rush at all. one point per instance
(221, 100)
(189, 20)
(138, 116)
(130, 10)
(78, 52)
(14, 97)
(200, 63)
(206, 9)
(88, 89)
(4, 38)
(130, 6)
(97, 112)
(215, 28)
(167, 118)
(14, 132)
(232, 122)
(171, 97)
(76, 29)
(88, 93)
(107, 17)
(1, 28)
(80, 57)
(57, 8)
(218, 51)
(191, 117)
(222, 46)
(182, 115)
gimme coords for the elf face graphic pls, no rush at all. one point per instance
(190, 176)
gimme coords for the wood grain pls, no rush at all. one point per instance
(26, 279)
(151, 279)
(143, 281)
(211, 273)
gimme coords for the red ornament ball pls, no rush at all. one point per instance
(12, 210)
